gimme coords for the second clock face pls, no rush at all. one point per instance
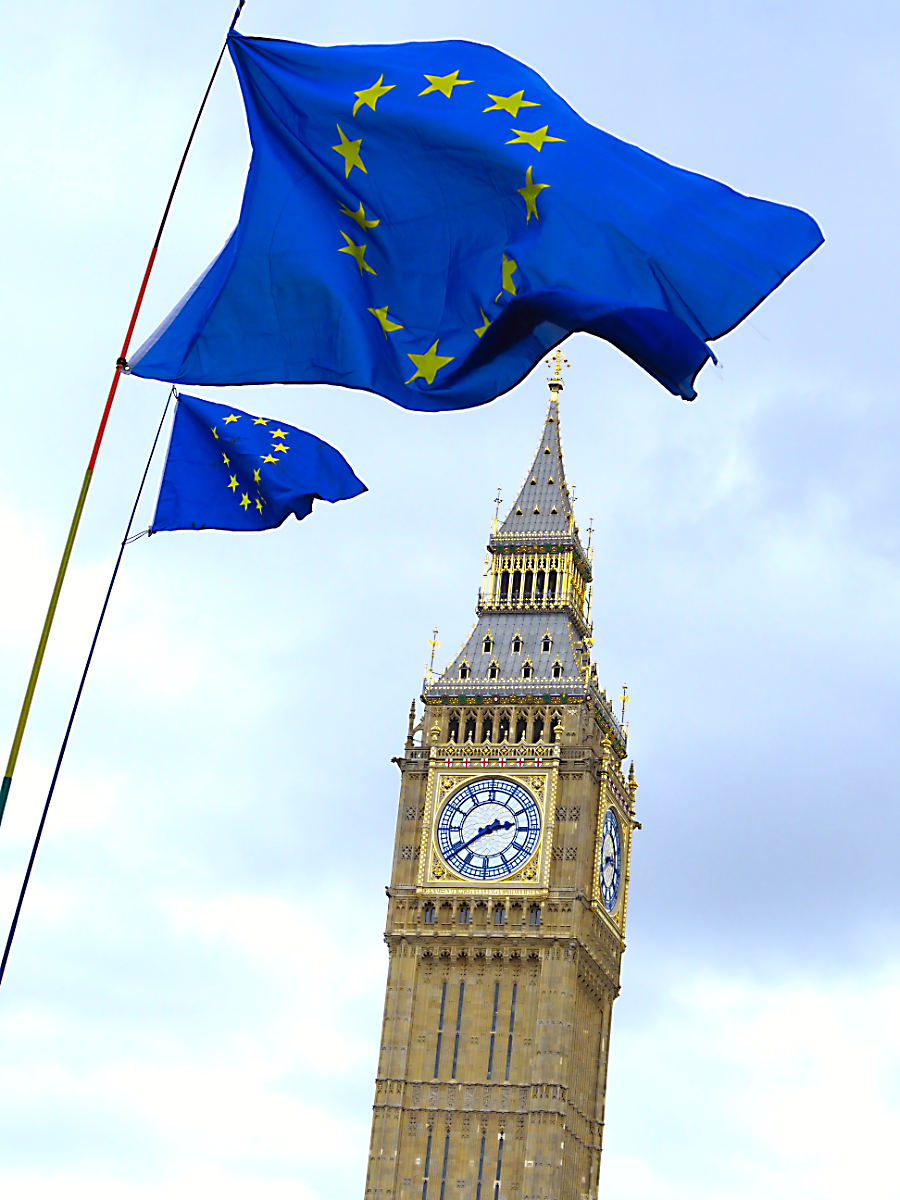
(488, 829)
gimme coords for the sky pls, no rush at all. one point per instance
(193, 1002)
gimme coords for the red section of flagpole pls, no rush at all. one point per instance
(88, 475)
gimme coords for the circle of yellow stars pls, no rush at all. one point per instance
(279, 446)
(428, 364)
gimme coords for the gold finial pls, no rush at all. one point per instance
(433, 643)
(624, 698)
(590, 531)
(556, 361)
(497, 500)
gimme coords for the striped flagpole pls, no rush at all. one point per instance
(88, 475)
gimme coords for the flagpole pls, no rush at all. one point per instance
(89, 472)
(126, 538)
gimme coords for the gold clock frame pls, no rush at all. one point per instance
(450, 767)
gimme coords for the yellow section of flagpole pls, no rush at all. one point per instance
(42, 644)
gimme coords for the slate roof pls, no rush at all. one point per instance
(543, 506)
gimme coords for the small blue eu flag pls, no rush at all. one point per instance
(426, 220)
(227, 469)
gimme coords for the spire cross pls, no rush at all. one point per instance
(624, 698)
(557, 361)
(433, 643)
(590, 531)
(497, 500)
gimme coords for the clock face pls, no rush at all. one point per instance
(488, 829)
(610, 860)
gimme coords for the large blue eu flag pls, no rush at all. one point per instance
(227, 469)
(426, 220)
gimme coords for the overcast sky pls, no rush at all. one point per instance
(194, 999)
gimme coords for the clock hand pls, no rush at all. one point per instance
(492, 828)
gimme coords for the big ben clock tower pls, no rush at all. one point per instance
(506, 913)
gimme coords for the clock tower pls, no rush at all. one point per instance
(506, 909)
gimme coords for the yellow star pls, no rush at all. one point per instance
(226, 460)
(371, 95)
(280, 446)
(268, 458)
(213, 432)
(244, 501)
(230, 420)
(384, 320)
(428, 364)
(258, 505)
(509, 268)
(349, 151)
(357, 252)
(482, 329)
(279, 433)
(443, 84)
(529, 194)
(256, 474)
(360, 217)
(533, 137)
(232, 482)
(260, 421)
(510, 104)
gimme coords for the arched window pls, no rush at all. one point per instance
(554, 723)
(527, 670)
(487, 728)
(538, 731)
(516, 584)
(487, 645)
(504, 585)
(539, 586)
(499, 915)
(521, 729)
(464, 914)
(470, 729)
(453, 727)
(546, 644)
(516, 644)
(464, 671)
(430, 914)
(551, 585)
(529, 579)
(557, 670)
(503, 728)
(493, 671)
(534, 915)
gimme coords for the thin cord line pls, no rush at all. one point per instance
(62, 750)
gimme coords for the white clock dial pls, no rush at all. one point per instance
(488, 829)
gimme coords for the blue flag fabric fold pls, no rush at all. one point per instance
(227, 469)
(426, 220)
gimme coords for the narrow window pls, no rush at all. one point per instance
(557, 670)
(499, 915)
(464, 916)
(539, 586)
(504, 585)
(512, 1023)
(470, 729)
(427, 1162)
(527, 671)
(487, 728)
(516, 644)
(464, 671)
(546, 644)
(480, 1167)
(493, 671)
(444, 1167)
(553, 726)
(453, 729)
(499, 1165)
(529, 580)
(459, 1004)
(551, 585)
(503, 729)
(538, 731)
(440, 1033)
(493, 1030)
(521, 729)
(516, 584)
(430, 914)
(534, 915)
(488, 645)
